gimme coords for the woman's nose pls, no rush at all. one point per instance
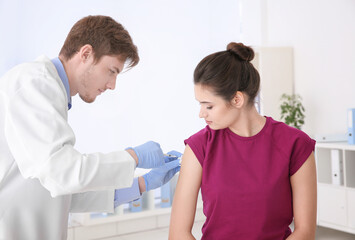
(202, 114)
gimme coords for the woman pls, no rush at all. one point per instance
(255, 174)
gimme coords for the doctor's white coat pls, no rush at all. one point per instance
(42, 176)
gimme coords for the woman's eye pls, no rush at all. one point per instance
(209, 107)
(111, 71)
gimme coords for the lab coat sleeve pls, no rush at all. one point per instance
(42, 143)
(99, 201)
(104, 201)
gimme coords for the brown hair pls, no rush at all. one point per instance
(105, 35)
(229, 71)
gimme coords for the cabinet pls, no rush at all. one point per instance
(275, 66)
(336, 198)
(84, 226)
(119, 225)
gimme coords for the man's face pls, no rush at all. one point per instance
(97, 78)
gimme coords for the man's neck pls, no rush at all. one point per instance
(69, 66)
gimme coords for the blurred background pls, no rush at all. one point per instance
(155, 99)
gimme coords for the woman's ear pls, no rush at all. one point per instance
(238, 99)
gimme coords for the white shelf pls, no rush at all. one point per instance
(336, 199)
(339, 145)
(84, 227)
(84, 219)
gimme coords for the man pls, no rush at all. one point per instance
(42, 176)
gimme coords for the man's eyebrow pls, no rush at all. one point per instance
(117, 70)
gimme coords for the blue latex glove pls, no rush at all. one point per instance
(159, 176)
(174, 153)
(149, 155)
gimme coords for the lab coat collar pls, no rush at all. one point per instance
(63, 76)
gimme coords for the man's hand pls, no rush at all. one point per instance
(149, 155)
(159, 176)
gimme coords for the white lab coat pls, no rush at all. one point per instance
(42, 176)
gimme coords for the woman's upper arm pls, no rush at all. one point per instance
(304, 192)
(185, 199)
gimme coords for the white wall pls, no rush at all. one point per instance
(322, 33)
(153, 101)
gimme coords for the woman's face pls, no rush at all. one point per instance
(217, 113)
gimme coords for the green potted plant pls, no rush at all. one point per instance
(292, 110)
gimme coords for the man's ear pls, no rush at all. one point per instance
(238, 99)
(86, 52)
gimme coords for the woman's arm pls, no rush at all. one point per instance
(304, 191)
(185, 199)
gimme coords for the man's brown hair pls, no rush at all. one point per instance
(105, 35)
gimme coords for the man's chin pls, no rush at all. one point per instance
(87, 99)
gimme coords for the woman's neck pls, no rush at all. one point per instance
(249, 123)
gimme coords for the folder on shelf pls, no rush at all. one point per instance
(166, 195)
(168, 191)
(136, 205)
(337, 167)
(351, 126)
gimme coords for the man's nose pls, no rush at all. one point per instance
(111, 84)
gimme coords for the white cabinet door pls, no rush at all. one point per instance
(332, 205)
(70, 234)
(95, 231)
(351, 208)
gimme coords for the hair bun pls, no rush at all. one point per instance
(243, 52)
